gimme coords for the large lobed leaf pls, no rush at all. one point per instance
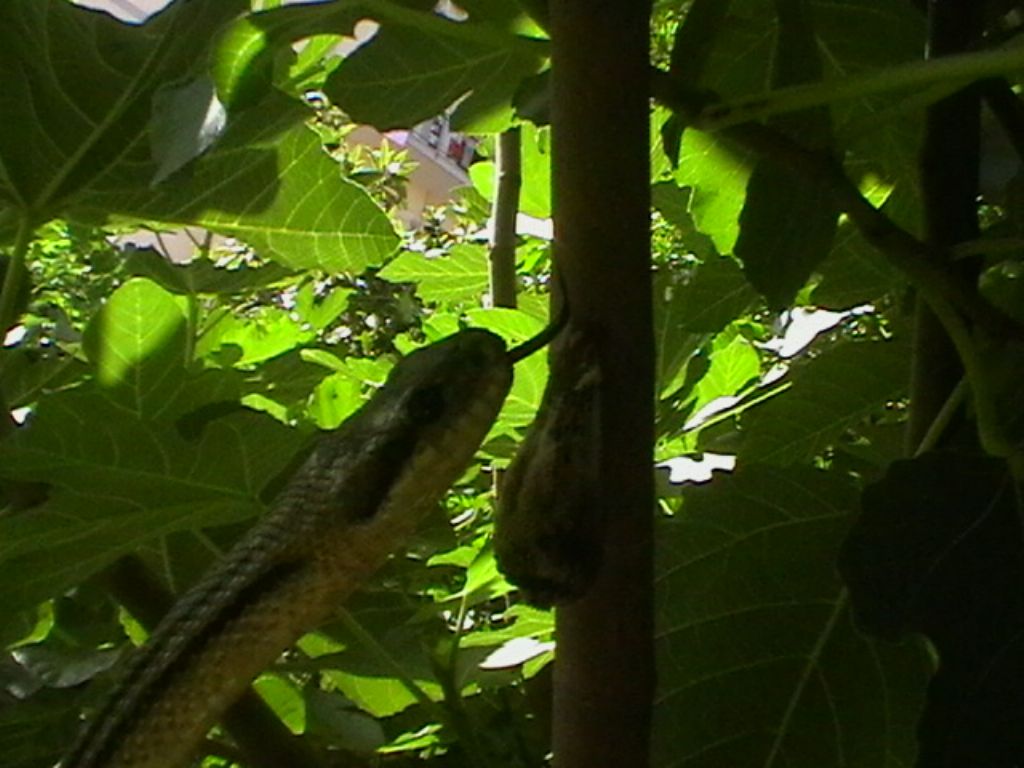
(91, 130)
(937, 550)
(831, 393)
(779, 225)
(686, 313)
(268, 182)
(416, 66)
(758, 662)
(78, 87)
(455, 279)
(130, 456)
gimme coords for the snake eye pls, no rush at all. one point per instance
(427, 403)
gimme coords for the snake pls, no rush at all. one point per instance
(350, 505)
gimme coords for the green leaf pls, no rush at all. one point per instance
(242, 64)
(285, 699)
(201, 275)
(695, 40)
(72, 537)
(120, 479)
(1003, 285)
(531, 374)
(855, 272)
(454, 280)
(420, 64)
(36, 732)
(788, 222)
(136, 344)
(787, 226)
(415, 67)
(78, 90)
(758, 662)
(321, 311)
(368, 676)
(673, 203)
(831, 393)
(937, 550)
(187, 121)
(718, 174)
(498, 11)
(331, 717)
(527, 621)
(710, 297)
(734, 364)
(849, 38)
(24, 373)
(335, 399)
(267, 182)
(483, 581)
(82, 147)
(265, 334)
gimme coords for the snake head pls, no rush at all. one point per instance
(414, 438)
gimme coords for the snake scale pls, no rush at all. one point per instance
(343, 513)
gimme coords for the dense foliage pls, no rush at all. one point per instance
(162, 403)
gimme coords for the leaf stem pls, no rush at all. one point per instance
(15, 275)
(954, 70)
(942, 419)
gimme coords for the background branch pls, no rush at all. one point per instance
(508, 181)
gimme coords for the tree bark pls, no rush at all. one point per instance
(604, 673)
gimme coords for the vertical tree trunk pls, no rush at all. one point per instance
(604, 673)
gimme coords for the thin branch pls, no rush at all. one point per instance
(945, 74)
(508, 181)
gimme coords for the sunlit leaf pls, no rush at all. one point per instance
(830, 394)
(457, 278)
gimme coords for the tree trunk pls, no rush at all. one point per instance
(604, 673)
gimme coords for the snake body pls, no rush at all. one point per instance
(350, 505)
